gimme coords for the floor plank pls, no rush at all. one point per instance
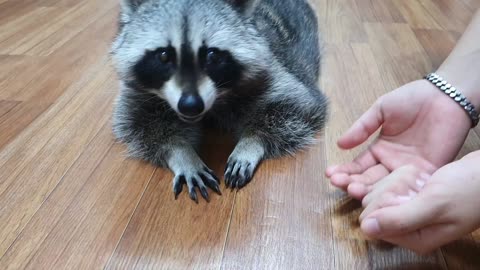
(437, 44)
(472, 4)
(177, 234)
(6, 106)
(452, 16)
(42, 224)
(416, 15)
(278, 222)
(463, 254)
(379, 11)
(34, 162)
(344, 212)
(88, 230)
(18, 118)
(342, 14)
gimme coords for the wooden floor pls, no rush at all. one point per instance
(70, 200)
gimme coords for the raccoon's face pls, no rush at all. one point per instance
(189, 52)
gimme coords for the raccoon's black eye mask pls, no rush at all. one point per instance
(156, 67)
(220, 66)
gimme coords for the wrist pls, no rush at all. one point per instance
(456, 95)
(444, 106)
(462, 72)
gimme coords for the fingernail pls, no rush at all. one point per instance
(420, 183)
(370, 226)
(412, 193)
(425, 176)
(404, 198)
(330, 170)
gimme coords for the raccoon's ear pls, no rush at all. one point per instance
(246, 7)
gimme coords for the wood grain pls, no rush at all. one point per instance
(6, 106)
(45, 219)
(15, 119)
(293, 229)
(169, 234)
(69, 199)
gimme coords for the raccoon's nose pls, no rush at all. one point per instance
(191, 105)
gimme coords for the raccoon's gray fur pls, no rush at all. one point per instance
(250, 67)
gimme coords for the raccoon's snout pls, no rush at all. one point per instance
(191, 105)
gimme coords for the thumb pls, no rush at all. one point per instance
(427, 239)
(363, 128)
(400, 219)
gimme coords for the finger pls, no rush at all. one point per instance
(382, 149)
(340, 180)
(372, 175)
(403, 181)
(375, 194)
(386, 199)
(399, 219)
(391, 190)
(358, 190)
(427, 239)
(360, 184)
(361, 163)
(363, 128)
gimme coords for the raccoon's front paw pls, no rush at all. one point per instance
(238, 173)
(242, 163)
(201, 178)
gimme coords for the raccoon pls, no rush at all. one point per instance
(248, 67)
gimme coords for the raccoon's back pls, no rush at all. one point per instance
(291, 29)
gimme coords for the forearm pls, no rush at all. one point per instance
(462, 67)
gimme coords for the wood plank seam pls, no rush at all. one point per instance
(228, 229)
(59, 182)
(7, 111)
(93, 171)
(130, 219)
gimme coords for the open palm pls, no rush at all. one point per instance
(421, 126)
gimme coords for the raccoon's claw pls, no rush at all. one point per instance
(178, 185)
(200, 180)
(238, 173)
(211, 180)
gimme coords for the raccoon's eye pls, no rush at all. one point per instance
(156, 67)
(220, 66)
(214, 57)
(163, 56)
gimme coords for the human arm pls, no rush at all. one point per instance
(415, 119)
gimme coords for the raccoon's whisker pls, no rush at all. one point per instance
(223, 84)
(222, 94)
(145, 100)
(150, 98)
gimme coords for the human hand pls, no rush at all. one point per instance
(422, 214)
(420, 126)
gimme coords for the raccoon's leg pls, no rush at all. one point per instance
(243, 161)
(153, 132)
(189, 169)
(281, 125)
